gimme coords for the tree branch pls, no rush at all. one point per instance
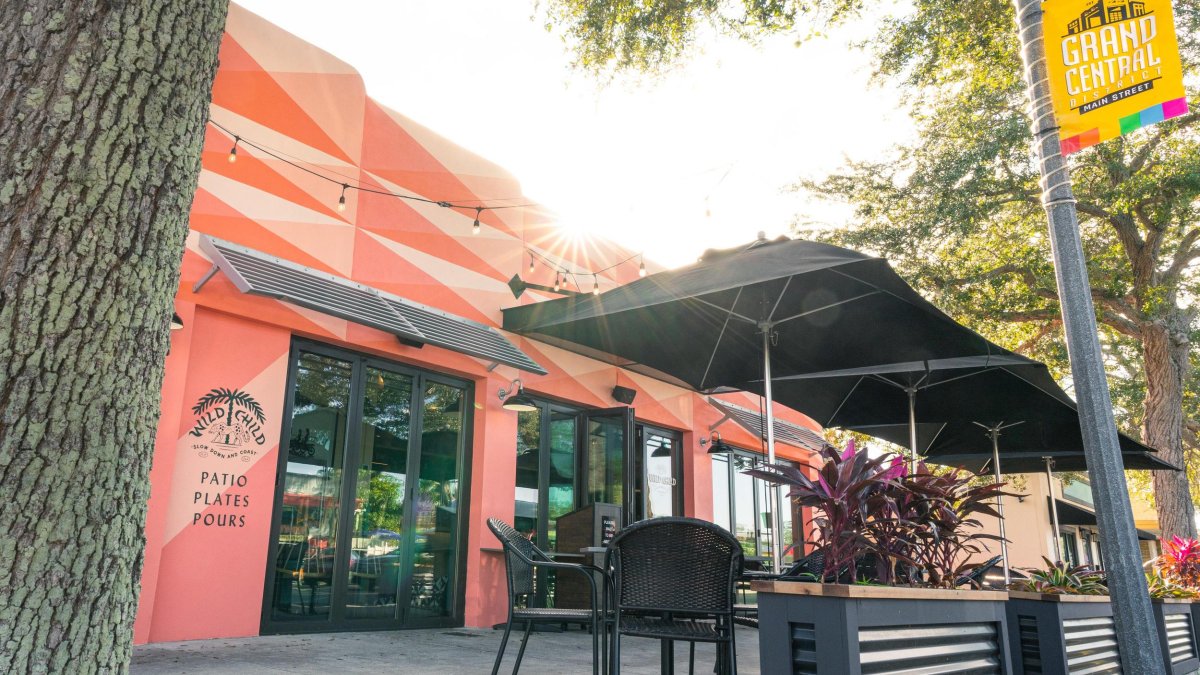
(1184, 255)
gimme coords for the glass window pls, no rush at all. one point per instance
(529, 433)
(375, 570)
(436, 501)
(560, 481)
(720, 477)
(307, 543)
(742, 504)
(367, 511)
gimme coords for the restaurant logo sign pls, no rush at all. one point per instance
(1113, 67)
(228, 424)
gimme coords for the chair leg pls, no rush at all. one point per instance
(691, 658)
(732, 647)
(503, 642)
(596, 656)
(521, 651)
(615, 664)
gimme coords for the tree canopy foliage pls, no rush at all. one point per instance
(958, 211)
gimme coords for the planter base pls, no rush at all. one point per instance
(849, 630)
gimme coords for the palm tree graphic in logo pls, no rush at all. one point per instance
(232, 429)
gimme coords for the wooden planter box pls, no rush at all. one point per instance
(834, 629)
(1061, 634)
(1177, 634)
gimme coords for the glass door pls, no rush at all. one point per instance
(546, 476)
(300, 582)
(657, 466)
(367, 529)
(608, 466)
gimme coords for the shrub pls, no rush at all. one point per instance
(1062, 579)
(1180, 562)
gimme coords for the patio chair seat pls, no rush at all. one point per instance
(521, 560)
(671, 629)
(552, 614)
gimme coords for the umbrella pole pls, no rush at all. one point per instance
(769, 429)
(1053, 509)
(994, 432)
(912, 429)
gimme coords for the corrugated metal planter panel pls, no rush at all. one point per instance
(1060, 635)
(1177, 635)
(840, 630)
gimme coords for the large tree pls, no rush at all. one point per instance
(958, 211)
(102, 113)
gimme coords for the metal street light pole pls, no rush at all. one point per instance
(1136, 634)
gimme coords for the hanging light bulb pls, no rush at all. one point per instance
(642, 268)
(342, 200)
(595, 285)
(475, 227)
(557, 286)
(233, 150)
(531, 263)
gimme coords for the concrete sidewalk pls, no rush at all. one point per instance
(453, 651)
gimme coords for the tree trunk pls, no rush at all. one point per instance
(102, 111)
(1165, 353)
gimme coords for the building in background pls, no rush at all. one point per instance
(333, 436)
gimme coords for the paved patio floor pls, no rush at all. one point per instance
(446, 650)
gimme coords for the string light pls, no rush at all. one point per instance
(560, 276)
(595, 285)
(302, 166)
(557, 286)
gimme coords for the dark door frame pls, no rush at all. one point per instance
(676, 463)
(352, 450)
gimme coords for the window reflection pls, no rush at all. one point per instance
(375, 559)
(307, 544)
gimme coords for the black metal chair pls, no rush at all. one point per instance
(521, 560)
(674, 579)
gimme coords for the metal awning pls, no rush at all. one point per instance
(751, 420)
(257, 273)
(1070, 514)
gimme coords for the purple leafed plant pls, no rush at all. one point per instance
(872, 514)
(947, 533)
(845, 494)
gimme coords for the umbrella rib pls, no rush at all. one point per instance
(850, 393)
(716, 346)
(728, 311)
(825, 307)
(779, 299)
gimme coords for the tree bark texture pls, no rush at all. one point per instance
(1165, 355)
(102, 111)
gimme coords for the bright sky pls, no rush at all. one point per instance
(698, 159)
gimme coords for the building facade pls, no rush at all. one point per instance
(333, 436)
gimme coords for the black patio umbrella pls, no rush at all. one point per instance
(973, 399)
(976, 448)
(769, 309)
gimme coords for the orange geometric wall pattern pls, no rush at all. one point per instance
(211, 501)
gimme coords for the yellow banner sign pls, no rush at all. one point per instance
(1114, 67)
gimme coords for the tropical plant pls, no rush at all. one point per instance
(1161, 587)
(1060, 578)
(1180, 562)
(843, 495)
(947, 511)
(875, 519)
